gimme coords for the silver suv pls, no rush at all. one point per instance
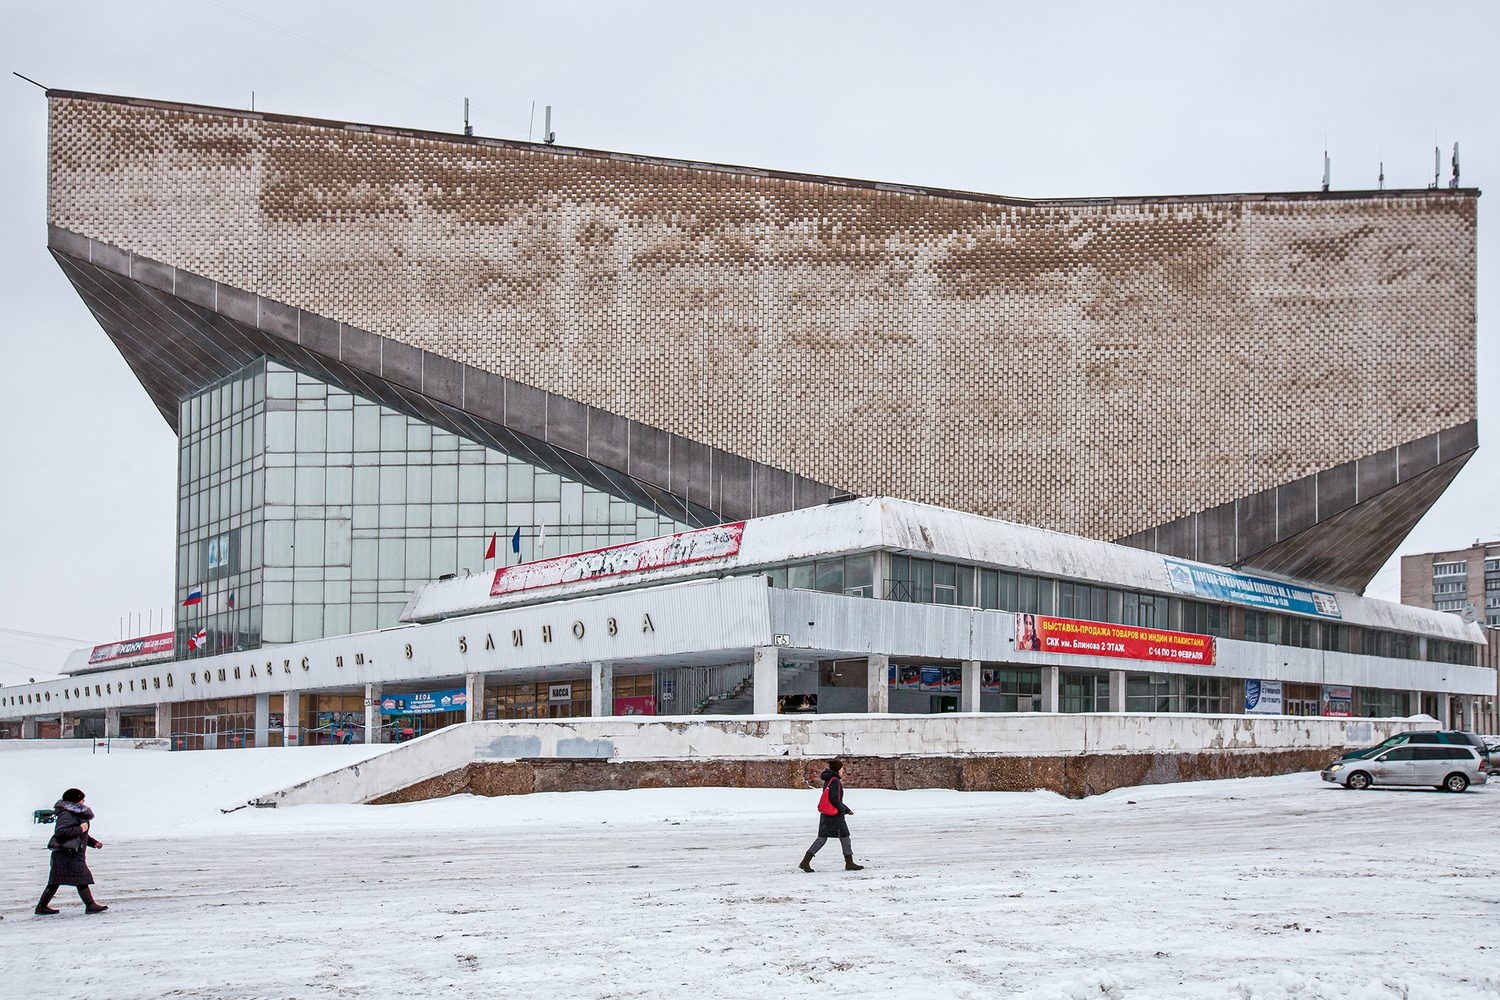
(1445, 767)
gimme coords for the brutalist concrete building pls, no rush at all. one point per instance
(385, 351)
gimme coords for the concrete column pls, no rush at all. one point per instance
(62, 725)
(878, 684)
(474, 697)
(1117, 691)
(28, 728)
(111, 722)
(601, 689)
(764, 680)
(163, 720)
(968, 691)
(291, 718)
(1050, 679)
(262, 720)
(1445, 711)
(373, 717)
(1416, 702)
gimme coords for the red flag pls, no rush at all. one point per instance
(489, 553)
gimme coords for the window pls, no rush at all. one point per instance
(1450, 651)
(1448, 605)
(1380, 703)
(1084, 692)
(1018, 690)
(1205, 619)
(1208, 695)
(989, 589)
(1455, 587)
(945, 583)
(1450, 568)
(1151, 693)
(1262, 626)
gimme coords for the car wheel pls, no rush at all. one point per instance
(1456, 782)
(1358, 781)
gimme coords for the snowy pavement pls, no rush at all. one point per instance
(1261, 887)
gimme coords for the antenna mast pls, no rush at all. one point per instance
(549, 136)
(1454, 183)
(468, 129)
(1327, 169)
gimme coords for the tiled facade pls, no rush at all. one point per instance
(1098, 367)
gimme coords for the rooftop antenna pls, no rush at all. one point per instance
(1327, 167)
(28, 80)
(252, 100)
(1454, 182)
(531, 121)
(468, 129)
(1437, 163)
(1382, 169)
(549, 136)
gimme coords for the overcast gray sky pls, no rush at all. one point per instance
(1033, 100)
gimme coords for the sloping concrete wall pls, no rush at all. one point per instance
(685, 743)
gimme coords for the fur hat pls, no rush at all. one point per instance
(72, 795)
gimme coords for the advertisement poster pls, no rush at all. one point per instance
(717, 542)
(1338, 701)
(640, 705)
(1263, 698)
(1225, 585)
(425, 702)
(141, 650)
(989, 680)
(906, 677)
(931, 679)
(1131, 642)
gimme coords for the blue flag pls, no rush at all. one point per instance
(515, 541)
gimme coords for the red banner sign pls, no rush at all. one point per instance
(1131, 642)
(633, 557)
(156, 646)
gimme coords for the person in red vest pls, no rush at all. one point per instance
(831, 823)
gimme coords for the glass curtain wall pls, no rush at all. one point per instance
(306, 511)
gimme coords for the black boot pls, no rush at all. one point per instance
(89, 906)
(42, 909)
(850, 866)
(806, 864)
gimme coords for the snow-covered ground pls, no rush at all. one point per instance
(1263, 887)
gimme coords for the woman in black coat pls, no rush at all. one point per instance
(69, 841)
(831, 823)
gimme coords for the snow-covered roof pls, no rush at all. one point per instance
(918, 529)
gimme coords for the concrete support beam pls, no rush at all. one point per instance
(291, 719)
(373, 718)
(878, 685)
(1117, 691)
(1415, 698)
(968, 691)
(111, 723)
(163, 720)
(63, 731)
(1051, 676)
(601, 689)
(28, 728)
(764, 680)
(473, 697)
(262, 720)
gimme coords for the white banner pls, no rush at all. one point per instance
(1263, 698)
(633, 557)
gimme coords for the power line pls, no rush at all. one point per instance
(356, 60)
(42, 635)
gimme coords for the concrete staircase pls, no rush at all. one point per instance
(738, 701)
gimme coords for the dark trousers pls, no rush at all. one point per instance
(51, 890)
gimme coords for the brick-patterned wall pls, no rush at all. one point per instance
(1095, 367)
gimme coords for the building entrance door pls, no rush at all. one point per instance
(944, 703)
(211, 732)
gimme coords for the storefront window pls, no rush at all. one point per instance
(1206, 695)
(1084, 692)
(1156, 693)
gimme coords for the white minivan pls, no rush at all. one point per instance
(1446, 767)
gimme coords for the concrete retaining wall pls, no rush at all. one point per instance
(1071, 754)
(1075, 776)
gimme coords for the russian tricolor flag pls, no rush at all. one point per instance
(195, 596)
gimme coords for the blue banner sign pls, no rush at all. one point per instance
(1227, 585)
(424, 703)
